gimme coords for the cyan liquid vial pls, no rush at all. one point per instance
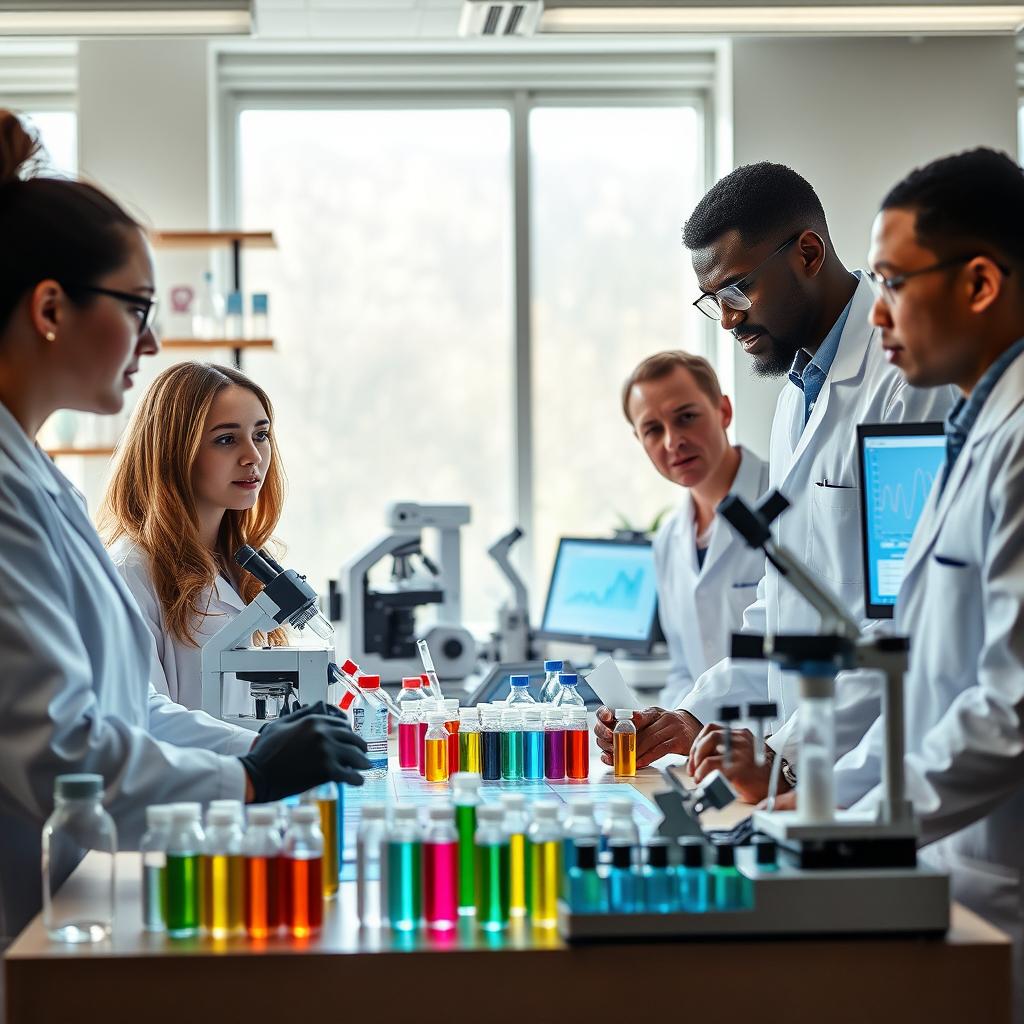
(533, 744)
(625, 885)
(659, 885)
(729, 889)
(692, 876)
(587, 891)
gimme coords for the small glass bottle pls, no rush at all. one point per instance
(303, 855)
(567, 694)
(512, 744)
(533, 744)
(624, 744)
(327, 799)
(78, 823)
(545, 848)
(727, 884)
(692, 876)
(660, 885)
(223, 874)
(519, 691)
(431, 705)
(580, 827)
(261, 850)
(765, 853)
(405, 870)
(185, 844)
(587, 890)
(624, 881)
(470, 758)
(371, 865)
(370, 722)
(441, 870)
(554, 744)
(492, 869)
(451, 723)
(466, 798)
(259, 326)
(552, 670)
(516, 827)
(490, 739)
(154, 867)
(436, 748)
(234, 320)
(577, 744)
(208, 318)
(410, 700)
(619, 823)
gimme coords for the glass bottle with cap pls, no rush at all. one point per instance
(512, 744)
(261, 849)
(587, 891)
(727, 884)
(516, 828)
(660, 886)
(223, 874)
(519, 691)
(370, 722)
(533, 743)
(441, 869)
(551, 686)
(624, 881)
(577, 743)
(371, 865)
(568, 695)
(619, 823)
(624, 744)
(405, 869)
(435, 748)
(184, 852)
(466, 798)
(692, 875)
(451, 723)
(303, 853)
(491, 848)
(545, 841)
(410, 700)
(154, 867)
(554, 743)
(580, 827)
(490, 742)
(470, 758)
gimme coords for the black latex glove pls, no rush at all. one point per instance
(303, 751)
(321, 707)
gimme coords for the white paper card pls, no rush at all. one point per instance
(607, 682)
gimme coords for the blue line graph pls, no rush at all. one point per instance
(621, 595)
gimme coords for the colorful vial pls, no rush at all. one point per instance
(624, 744)
(580, 826)
(492, 869)
(261, 851)
(728, 886)
(327, 799)
(624, 881)
(154, 867)
(223, 874)
(619, 823)
(490, 738)
(185, 844)
(466, 797)
(370, 865)
(692, 876)
(587, 890)
(410, 700)
(512, 744)
(469, 741)
(577, 743)
(451, 723)
(441, 870)
(554, 743)
(516, 825)
(303, 871)
(533, 744)
(660, 886)
(436, 748)
(545, 836)
(405, 870)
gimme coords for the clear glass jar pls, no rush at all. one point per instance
(154, 867)
(78, 825)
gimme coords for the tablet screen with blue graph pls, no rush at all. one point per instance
(602, 592)
(899, 464)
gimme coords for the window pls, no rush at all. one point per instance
(58, 131)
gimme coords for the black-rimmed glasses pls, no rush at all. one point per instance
(144, 307)
(887, 286)
(732, 295)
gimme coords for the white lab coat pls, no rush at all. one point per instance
(962, 604)
(701, 607)
(815, 467)
(75, 694)
(177, 666)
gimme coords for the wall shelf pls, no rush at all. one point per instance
(57, 453)
(212, 239)
(205, 344)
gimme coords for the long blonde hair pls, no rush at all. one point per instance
(150, 499)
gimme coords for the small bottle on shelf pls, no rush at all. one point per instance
(234, 322)
(260, 323)
(208, 317)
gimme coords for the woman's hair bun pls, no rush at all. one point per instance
(19, 147)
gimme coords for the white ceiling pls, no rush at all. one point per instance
(357, 19)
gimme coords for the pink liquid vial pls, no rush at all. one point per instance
(408, 745)
(441, 870)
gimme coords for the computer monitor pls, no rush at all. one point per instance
(898, 464)
(602, 592)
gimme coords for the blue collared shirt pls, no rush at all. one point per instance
(809, 373)
(965, 413)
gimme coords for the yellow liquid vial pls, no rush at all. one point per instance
(236, 894)
(329, 827)
(436, 760)
(545, 866)
(625, 754)
(469, 752)
(218, 894)
(517, 875)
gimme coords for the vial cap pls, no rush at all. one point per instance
(436, 718)
(567, 678)
(158, 815)
(261, 814)
(493, 814)
(219, 817)
(186, 813)
(725, 855)
(303, 814)
(235, 806)
(411, 682)
(581, 805)
(511, 715)
(622, 855)
(369, 682)
(451, 703)
(657, 853)
(533, 714)
(545, 810)
(575, 711)
(188, 807)
(350, 667)
(513, 801)
(443, 813)
(407, 814)
(553, 666)
(234, 303)
(692, 850)
(520, 680)
(623, 715)
(425, 679)
(81, 786)
(260, 302)
(764, 847)
(586, 854)
(552, 714)
(469, 714)
(374, 812)
(466, 782)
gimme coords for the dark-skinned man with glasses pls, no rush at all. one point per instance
(769, 273)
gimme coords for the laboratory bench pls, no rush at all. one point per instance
(525, 974)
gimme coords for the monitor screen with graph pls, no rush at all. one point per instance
(899, 463)
(602, 592)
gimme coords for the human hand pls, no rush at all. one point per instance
(783, 802)
(749, 779)
(658, 732)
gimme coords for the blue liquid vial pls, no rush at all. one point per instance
(692, 876)
(660, 888)
(625, 885)
(729, 889)
(587, 891)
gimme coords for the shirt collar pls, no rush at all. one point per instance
(823, 359)
(967, 409)
(27, 454)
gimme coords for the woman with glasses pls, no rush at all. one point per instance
(76, 301)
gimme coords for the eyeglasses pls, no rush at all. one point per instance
(887, 286)
(732, 295)
(143, 308)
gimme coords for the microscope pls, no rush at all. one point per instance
(380, 621)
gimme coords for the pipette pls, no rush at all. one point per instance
(428, 668)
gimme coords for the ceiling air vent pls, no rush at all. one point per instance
(497, 18)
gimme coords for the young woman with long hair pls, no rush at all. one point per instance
(195, 478)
